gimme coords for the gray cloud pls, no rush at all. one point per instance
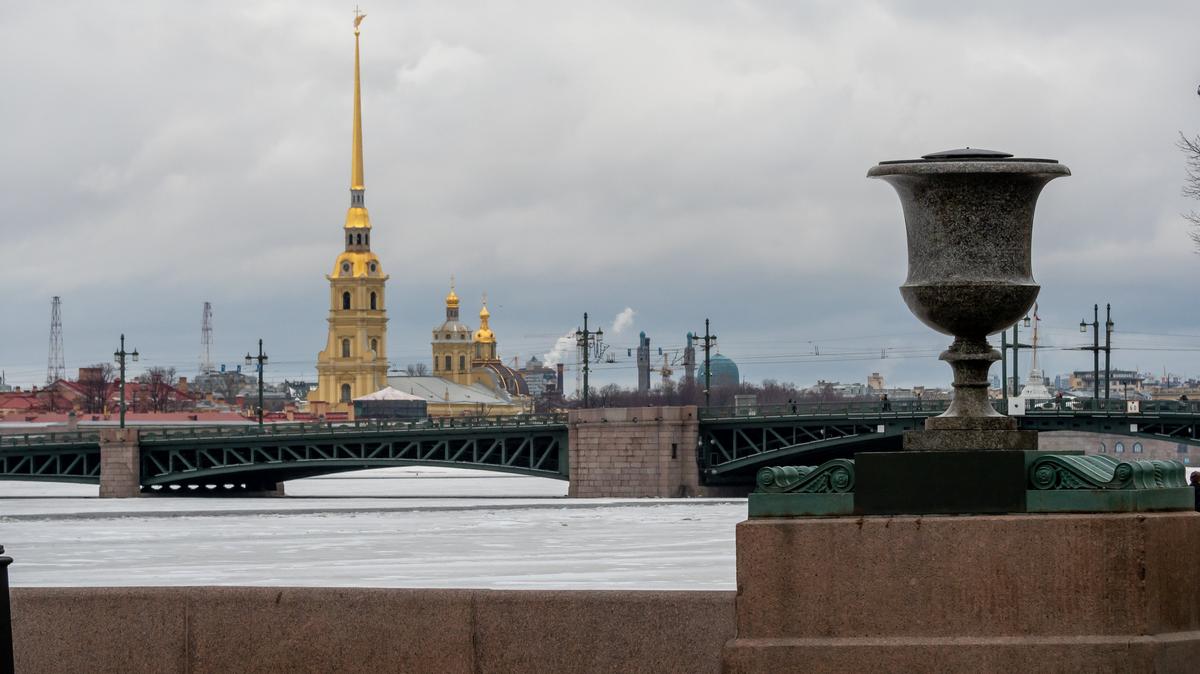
(688, 159)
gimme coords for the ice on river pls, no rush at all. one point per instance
(396, 527)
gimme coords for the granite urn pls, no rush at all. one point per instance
(969, 216)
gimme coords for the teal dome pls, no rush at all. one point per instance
(724, 371)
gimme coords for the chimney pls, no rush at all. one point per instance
(559, 374)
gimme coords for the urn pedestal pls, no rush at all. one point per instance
(970, 551)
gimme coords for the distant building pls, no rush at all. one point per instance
(643, 363)
(1119, 380)
(724, 372)
(875, 382)
(540, 380)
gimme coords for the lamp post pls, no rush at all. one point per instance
(262, 361)
(587, 339)
(1108, 330)
(708, 340)
(1095, 349)
(1016, 345)
(6, 641)
(119, 357)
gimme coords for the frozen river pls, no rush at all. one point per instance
(399, 527)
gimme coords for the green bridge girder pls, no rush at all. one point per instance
(251, 458)
(51, 457)
(735, 444)
(263, 459)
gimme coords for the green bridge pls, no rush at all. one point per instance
(735, 444)
(731, 445)
(253, 458)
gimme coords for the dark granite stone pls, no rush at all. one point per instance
(931, 483)
(956, 440)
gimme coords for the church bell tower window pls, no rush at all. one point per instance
(345, 348)
(345, 393)
(373, 301)
(346, 300)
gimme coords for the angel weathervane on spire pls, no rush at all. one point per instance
(358, 17)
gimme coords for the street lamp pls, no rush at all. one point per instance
(262, 360)
(1026, 321)
(120, 356)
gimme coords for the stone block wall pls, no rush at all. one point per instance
(277, 629)
(636, 452)
(120, 463)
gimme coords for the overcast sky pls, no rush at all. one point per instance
(685, 159)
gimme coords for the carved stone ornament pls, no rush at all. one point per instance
(1069, 471)
(831, 477)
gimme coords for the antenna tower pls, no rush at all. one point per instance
(55, 369)
(206, 339)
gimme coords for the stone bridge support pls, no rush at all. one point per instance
(637, 452)
(120, 463)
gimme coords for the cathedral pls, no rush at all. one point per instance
(468, 377)
(466, 358)
(354, 361)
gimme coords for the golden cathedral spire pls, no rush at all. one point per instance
(356, 169)
(354, 360)
(357, 215)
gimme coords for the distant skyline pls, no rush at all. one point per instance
(679, 159)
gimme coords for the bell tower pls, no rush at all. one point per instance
(354, 362)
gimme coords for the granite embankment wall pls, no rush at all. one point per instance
(235, 629)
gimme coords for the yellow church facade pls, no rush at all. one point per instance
(354, 360)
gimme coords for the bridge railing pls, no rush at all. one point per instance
(48, 438)
(924, 408)
(873, 408)
(357, 426)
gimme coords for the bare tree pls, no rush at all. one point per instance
(229, 385)
(416, 369)
(158, 389)
(1191, 184)
(96, 382)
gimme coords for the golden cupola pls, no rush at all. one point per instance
(484, 334)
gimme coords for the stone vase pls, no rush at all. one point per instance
(969, 216)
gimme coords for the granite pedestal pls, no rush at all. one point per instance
(978, 593)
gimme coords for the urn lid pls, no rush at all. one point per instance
(968, 160)
(967, 154)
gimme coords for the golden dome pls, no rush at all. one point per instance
(357, 263)
(484, 334)
(451, 299)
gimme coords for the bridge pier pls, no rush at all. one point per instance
(637, 452)
(120, 463)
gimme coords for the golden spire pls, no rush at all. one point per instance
(356, 168)
(357, 216)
